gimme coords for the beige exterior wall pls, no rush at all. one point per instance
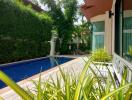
(113, 26)
(98, 18)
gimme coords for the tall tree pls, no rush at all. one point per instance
(63, 14)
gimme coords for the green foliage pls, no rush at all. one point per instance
(85, 47)
(63, 14)
(23, 32)
(100, 55)
(130, 51)
(69, 86)
(83, 87)
(14, 86)
(83, 32)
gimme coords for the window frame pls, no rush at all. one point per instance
(118, 32)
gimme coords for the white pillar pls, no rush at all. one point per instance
(52, 47)
(108, 33)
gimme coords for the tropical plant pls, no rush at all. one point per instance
(14, 86)
(63, 14)
(100, 55)
(83, 32)
(130, 50)
(85, 86)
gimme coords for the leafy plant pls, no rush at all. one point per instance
(83, 33)
(130, 50)
(23, 32)
(63, 13)
(85, 86)
(100, 55)
(14, 86)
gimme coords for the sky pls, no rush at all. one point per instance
(79, 21)
(81, 1)
(79, 18)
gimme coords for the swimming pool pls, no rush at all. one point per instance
(22, 70)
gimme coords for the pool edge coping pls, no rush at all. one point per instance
(35, 77)
(39, 58)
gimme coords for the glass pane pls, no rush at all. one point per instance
(98, 34)
(98, 26)
(127, 30)
(128, 22)
(98, 41)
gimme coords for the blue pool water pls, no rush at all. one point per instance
(22, 70)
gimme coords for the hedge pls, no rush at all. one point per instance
(23, 32)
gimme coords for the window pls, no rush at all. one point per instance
(123, 33)
(98, 35)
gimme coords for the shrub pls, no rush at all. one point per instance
(100, 55)
(23, 32)
(130, 51)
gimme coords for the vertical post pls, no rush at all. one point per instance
(52, 44)
(52, 48)
(108, 33)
